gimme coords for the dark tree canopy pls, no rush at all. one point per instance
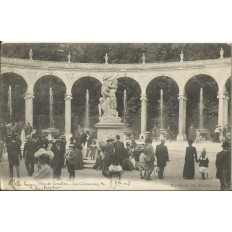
(117, 52)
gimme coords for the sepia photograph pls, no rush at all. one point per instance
(115, 116)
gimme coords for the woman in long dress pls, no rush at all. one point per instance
(190, 159)
(79, 156)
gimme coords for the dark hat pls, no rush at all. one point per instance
(225, 144)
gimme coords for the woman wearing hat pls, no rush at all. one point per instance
(44, 168)
(190, 159)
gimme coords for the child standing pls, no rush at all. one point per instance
(93, 150)
(203, 165)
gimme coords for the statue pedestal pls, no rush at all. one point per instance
(109, 127)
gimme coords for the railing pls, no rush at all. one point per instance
(97, 66)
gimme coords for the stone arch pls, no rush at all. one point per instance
(19, 87)
(169, 75)
(41, 90)
(129, 103)
(168, 88)
(205, 119)
(83, 75)
(55, 74)
(81, 87)
(133, 80)
(4, 71)
(201, 72)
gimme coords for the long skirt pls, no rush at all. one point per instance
(189, 169)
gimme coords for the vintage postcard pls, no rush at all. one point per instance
(115, 116)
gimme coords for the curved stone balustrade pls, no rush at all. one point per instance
(122, 67)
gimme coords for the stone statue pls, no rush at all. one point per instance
(181, 56)
(31, 54)
(143, 58)
(106, 59)
(221, 53)
(108, 101)
(69, 57)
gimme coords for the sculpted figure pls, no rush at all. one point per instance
(108, 101)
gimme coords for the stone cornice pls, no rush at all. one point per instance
(37, 64)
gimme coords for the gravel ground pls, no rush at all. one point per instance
(93, 180)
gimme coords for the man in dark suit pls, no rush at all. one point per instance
(30, 148)
(58, 160)
(162, 157)
(223, 165)
(119, 150)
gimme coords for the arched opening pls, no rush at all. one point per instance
(13, 89)
(42, 103)
(129, 104)
(80, 101)
(201, 109)
(165, 116)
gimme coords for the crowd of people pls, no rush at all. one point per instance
(45, 159)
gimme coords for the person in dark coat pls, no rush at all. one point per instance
(71, 161)
(79, 156)
(14, 154)
(190, 159)
(58, 160)
(30, 148)
(43, 141)
(223, 165)
(119, 151)
(149, 159)
(109, 157)
(162, 157)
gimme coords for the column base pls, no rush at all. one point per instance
(181, 137)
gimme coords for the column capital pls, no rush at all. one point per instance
(143, 97)
(181, 96)
(221, 95)
(29, 96)
(68, 97)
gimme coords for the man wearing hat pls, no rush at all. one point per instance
(29, 150)
(109, 155)
(70, 158)
(119, 150)
(58, 161)
(149, 159)
(223, 165)
(162, 157)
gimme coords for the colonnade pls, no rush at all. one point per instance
(222, 112)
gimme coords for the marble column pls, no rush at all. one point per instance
(68, 118)
(182, 117)
(29, 108)
(226, 99)
(221, 98)
(143, 113)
